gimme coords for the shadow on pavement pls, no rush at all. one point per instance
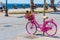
(39, 34)
(16, 16)
(7, 25)
(20, 17)
(31, 37)
(47, 36)
(55, 12)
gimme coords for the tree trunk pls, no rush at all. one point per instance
(52, 5)
(31, 5)
(6, 9)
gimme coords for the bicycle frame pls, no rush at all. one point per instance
(43, 28)
(37, 24)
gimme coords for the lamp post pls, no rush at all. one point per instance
(6, 10)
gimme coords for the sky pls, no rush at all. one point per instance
(28, 1)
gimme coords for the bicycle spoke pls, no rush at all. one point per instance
(53, 30)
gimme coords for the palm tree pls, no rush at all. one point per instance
(6, 9)
(52, 5)
(31, 5)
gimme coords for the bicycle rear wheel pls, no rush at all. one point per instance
(31, 28)
(53, 28)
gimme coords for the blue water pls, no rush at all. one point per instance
(10, 6)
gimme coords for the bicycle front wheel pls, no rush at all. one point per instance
(31, 28)
(53, 28)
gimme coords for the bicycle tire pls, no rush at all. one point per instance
(34, 29)
(49, 33)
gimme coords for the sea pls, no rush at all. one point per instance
(10, 6)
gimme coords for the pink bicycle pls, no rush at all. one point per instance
(49, 27)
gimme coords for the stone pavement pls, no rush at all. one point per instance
(13, 27)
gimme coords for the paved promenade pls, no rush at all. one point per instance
(18, 11)
(13, 27)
